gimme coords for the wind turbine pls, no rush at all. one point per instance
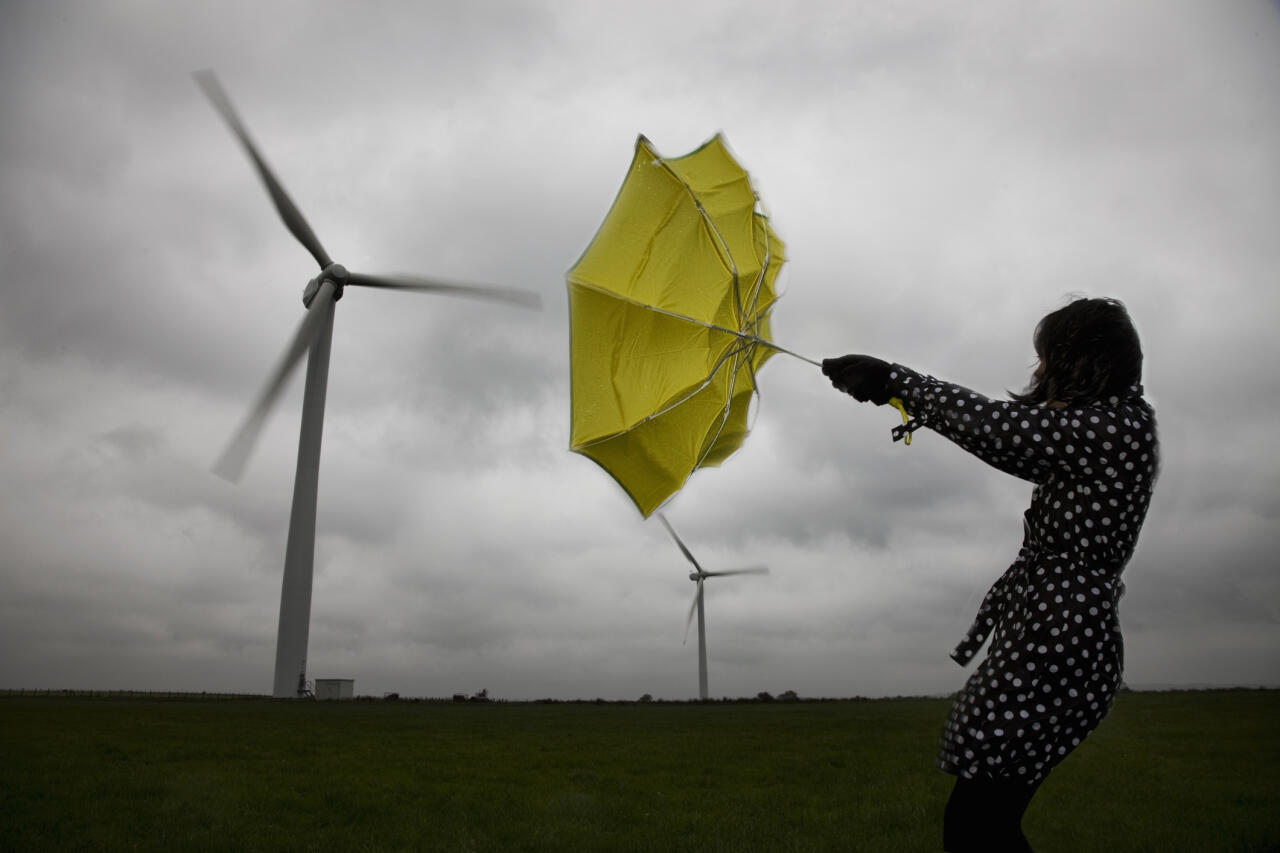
(698, 575)
(314, 336)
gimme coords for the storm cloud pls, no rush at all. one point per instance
(943, 178)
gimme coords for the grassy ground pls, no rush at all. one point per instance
(1165, 772)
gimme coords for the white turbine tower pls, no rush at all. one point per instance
(698, 576)
(313, 336)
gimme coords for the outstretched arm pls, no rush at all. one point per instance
(1016, 438)
(1025, 440)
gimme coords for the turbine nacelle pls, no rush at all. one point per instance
(335, 273)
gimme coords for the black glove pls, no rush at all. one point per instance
(864, 377)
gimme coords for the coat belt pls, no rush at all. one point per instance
(990, 612)
(996, 602)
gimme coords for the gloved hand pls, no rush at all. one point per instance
(864, 377)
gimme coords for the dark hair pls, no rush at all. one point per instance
(1088, 350)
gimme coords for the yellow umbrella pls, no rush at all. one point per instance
(669, 321)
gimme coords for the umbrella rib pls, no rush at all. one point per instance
(724, 411)
(755, 296)
(764, 269)
(751, 369)
(741, 335)
(737, 333)
(687, 397)
(721, 246)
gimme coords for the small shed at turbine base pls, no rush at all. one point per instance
(335, 688)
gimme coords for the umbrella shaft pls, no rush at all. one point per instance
(785, 351)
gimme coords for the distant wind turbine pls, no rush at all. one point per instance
(698, 575)
(314, 336)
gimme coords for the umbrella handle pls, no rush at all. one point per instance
(897, 404)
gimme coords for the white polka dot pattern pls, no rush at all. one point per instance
(1056, 653)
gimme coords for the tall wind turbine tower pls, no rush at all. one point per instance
(313, 338)
(699, 576)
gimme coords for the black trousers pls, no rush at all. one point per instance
(986, 815)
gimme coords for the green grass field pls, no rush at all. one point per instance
(1183, 771)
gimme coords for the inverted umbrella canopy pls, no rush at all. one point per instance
(669, 321)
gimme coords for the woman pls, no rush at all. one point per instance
(1085, 437)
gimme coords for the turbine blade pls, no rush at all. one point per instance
(288, 211)
(692, 608)
(230, 465)
(679, 542)
(756, 570)
(513, 296)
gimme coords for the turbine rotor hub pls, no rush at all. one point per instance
(335, 273)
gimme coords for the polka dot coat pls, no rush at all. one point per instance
(1056, 654)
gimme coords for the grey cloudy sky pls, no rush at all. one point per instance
(943, 174)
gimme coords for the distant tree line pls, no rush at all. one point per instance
(128, 694)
